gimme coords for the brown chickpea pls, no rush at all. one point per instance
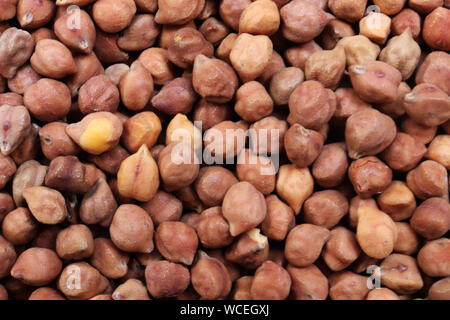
(98, 204)
(88, 66)
(249, 250)
(163, 207)
(46, 293)
(224, 141)
(308, 283)
(24, 77)
(400, 273)
(346, 285)
(116, 71)
(46, 238)
(186, 10)
(6, 205)
(210, 278)
(368, 132)
(438, 150)
(243, 197)
(270, 282)
(75, 243)
(176, 96)
(253, 102)
(80, 281)
(304, 244)
(107, 50)
(279, 219)
(213, 230)
(311, 105)
(108, 259)
(214, 30)
(113, 15)
(212, 183)
(303, 20)
(156, 60)
(214, 79)
(258, 170)
(431, 219)
(11, 99)
(241, 288)
(166, 279)
(283, 83)
(423, 134)
(98, 94)
(131, 229)
(428, 179)
(326, 66)
(435, 29)
(433, 258)
(440, 290)
(231, 10)
(136, 87)
(178, 166)
(209, 114)
(398, 201)
(186, 45)
(48, 100)
(15, 49)
(334, 31)
(176, 241)
(325, 208)
(405, 19)
(37, 266)
(76, 30)
(434, 69)
(248, 65)
(369, 176)
(111, 160)
(8, 257)
(407, 240)
(436, 100)
(267, 135)
(297, 55)
(330, 167)
(376, 232)
(140, 34)
(46, 54)
(19, 226)
(341, 249)
(302, 146)
(382, 294)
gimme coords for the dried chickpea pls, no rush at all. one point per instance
(258, 170)
(214, 30)
(297, 55)
(433, 258)
(47, 205)
(398, 201)
(294, 185)
(400, 273)
(166, 279)
(428, 179)
(302, 145)
(145, 173)
(209, 114)
(325, 208)
(434, 69)
(210, 278)
(108, 259)
(19, 226)
(37, 266)
(369, 176)
(330, 167)
(376, 232)
(346, 285)
(439, 290)
(16, 48)
(267, 135)
(136, 87)
(326, 66)
(431, 219)
(212, 183)
(187, 43)
(382, 294)
(279, 219)
(53, 59)
(304, 244)
(243, 197)
(435, 29)
(8, 257)
(142, 128)
(249, 250)
(131, 229)
(163, 207)
(178, 11)
(75, 243)
(260, 17)
(438, 150)
(176, 241)
(341, 249)
(98, 204)
(213, 230)
(176, 96)
(407, 240)
(24, 77)
(308, 283)
(113, 15)
(421, 133)
(270, 282)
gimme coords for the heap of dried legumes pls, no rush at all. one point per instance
(232, 149)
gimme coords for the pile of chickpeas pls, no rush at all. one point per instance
(232, 149)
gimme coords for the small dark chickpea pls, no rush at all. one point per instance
(283, 83)
(346, 285)
(270, 282)
(75, 243)
(330, 167)
(249, 250)
(166, 279)
(163, 207)
(341, 249)
(429, 179)
(308, 283)
(212, 184)
(213, 230)
(398, 201)
(404, 153)
(302, 145)
(279, 219)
